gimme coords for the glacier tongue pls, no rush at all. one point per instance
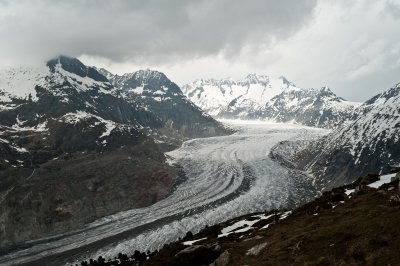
(216, 169)
(224, 177)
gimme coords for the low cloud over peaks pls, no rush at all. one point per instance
(145, 30)
(351, 46)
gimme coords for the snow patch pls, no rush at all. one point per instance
(73, 118)
(190, 243)
(383, 179)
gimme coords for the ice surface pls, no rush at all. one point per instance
(226, 177)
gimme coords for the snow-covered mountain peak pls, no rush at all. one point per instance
(255, 79)
(147, 80)
(325, 94)
(148, 74)
(250, 79)
(271, 98)
(326, 89)
(217, 96)
(74, 66)
(105, 73)
(63, 77)
(285, 80)
(153, 90)
(266, 80)
(69, 75)
(369, 143)
(390, 95)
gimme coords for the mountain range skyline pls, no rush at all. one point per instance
(350, 47)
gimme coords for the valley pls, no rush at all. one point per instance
(224, 177)
(199, 133)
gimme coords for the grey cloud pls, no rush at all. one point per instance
(351, 46)
(144, 31)
(393, 7)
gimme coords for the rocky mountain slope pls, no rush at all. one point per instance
(368, 144)
(311, 107)
(74, 148)
(268, 98)
(152, 90)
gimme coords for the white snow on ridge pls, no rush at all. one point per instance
(81, 83)
(73, 118)
(109, 126)
(19, 149)
(263, 97)
(376, 122)
(137, 90)
(213, 96)
(21, 82)
(190, 243)
(42, 127)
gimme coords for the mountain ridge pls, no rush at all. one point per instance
(152, 90)
(107, 152)
(268, 98)
(370, 143)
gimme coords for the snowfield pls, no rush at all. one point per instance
(224, 177)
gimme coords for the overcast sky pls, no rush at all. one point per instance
(351, 46)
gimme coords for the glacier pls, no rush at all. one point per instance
(224, 177)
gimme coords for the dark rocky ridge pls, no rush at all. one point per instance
(75, 66)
